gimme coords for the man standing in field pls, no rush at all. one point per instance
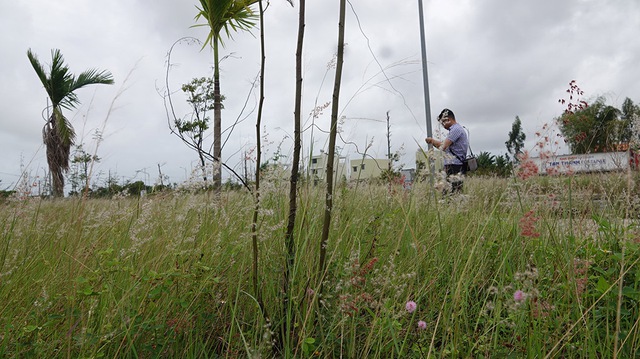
(455, 146)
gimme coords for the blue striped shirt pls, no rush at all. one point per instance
(459, 146)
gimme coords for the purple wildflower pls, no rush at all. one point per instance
(411, 306)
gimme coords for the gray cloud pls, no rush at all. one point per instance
(488, 61)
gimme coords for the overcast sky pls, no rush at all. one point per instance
(488, 61)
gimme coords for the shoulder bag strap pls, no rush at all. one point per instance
(469, 141)
(470, 150)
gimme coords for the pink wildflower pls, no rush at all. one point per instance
(527, 167)
(581, 269)
(528, 225)
(422, 325)
(552, 171)
(411, 306)
(518, 296)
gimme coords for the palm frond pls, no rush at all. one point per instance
(92, 77)
(37, 66)
(227, 16)
(241, 17)
(60, 78)
(64, 129)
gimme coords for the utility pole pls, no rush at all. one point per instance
(425, 83)
(425, 74)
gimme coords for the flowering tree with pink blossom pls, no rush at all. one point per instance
(595, 127)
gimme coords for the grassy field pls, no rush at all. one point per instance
(546, 267)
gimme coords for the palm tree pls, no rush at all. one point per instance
(222, 15)
(58, 134)
(486, 160)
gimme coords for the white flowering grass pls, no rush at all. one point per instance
(407, 275)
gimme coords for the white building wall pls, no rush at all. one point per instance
(367, 168)
(318, 167)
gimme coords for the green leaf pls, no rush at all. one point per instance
(106, 251)
(602, 285)
(30, 328)
(156, 292)
(630, 292)
(87, 291)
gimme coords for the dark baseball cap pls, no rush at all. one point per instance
(446, 113)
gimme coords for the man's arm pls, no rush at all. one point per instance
(442, 145)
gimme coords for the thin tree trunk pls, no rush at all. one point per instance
(295, 166)
(332, 145)
(217, 120)
(389, 144)
(256, 208)
(203, 163)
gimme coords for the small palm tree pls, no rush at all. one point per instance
(222, 15)
(58, 134)
(486, 160)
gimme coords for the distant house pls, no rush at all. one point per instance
(367, 168)
(318, 167)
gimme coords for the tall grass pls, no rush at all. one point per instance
(510, 268)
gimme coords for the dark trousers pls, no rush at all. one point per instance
(456, 186)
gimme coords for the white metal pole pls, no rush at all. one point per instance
(425, 83)
(425, 75)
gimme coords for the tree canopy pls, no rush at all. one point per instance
(597, 127)
(515, 143)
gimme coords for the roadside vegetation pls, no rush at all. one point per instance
(542, 266)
